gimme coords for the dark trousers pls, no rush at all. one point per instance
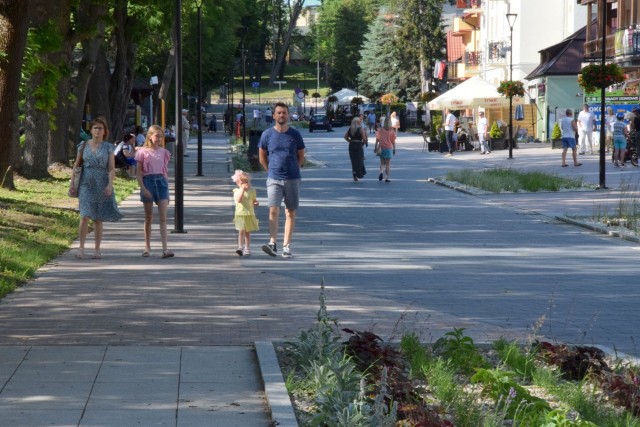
(450, 143)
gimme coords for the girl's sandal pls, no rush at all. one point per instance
(167, 254)
(145, 254)
(80, 254)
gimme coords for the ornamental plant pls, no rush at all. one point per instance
(597, 76)
(556, 133)
(388, 98)
(511, 88)
(495, 132)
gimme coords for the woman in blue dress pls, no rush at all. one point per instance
(96, 197)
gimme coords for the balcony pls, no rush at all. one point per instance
(498, 52)
(627, 46)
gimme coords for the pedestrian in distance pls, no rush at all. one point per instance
(153, 160)
(569, 128)
(586, 124)
(395, 122)
(449, 130)
(609, 121)
(96, 198)
(371, 122)
(356, 137)
(186, 127)
(281, 153)
(125, 154)
(483, 133)
(386, 147)
(620, 134)
(245, 218)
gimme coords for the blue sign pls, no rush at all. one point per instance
(255, 84)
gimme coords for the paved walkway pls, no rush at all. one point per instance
(148, 341)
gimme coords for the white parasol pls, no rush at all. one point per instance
(472, 93)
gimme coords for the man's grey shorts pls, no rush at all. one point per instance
(289, 190)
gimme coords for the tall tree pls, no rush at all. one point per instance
(294, 13)
(374, 79)
(339, 35)
(14, 23)
(421, 38)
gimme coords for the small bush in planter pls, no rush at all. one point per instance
(495, 132)
(556, 133)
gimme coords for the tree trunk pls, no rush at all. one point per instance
(122, 77)
(14, 23)
(278, 63)
(167, 77)
(92, 16)
(58, 137)
(35, 160)
(98, 90)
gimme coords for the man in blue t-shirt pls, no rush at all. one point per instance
(282, 156)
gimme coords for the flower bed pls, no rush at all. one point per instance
(356, 379)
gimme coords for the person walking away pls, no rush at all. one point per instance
(620, 134)
(449, 129)
(96, 198)
(186, 127)
(371, 121)
(226, 119)
(257, 115)
(153, 160)
(609, 121)
(245, 218)
(213, 123)
(386, 144)
(569, 128)
(586, 123)
(281, 155)
(268, 116)
(395, 122)
(483, 133)
(356, 136)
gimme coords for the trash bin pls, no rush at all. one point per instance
(252, 151)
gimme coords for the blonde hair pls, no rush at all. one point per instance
(387, 123)
(154, 129)
(241, 176)
(355, 125)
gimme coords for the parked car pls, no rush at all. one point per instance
(320, 121)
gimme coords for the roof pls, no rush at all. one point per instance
(455, 48)
(562, 59)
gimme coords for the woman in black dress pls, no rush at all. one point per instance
(357, 138)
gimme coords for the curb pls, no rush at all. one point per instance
(275, 391)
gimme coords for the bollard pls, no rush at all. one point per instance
(238, 124)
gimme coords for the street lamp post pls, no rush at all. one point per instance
(179, 161)
(511, 19)
(199, 100)
(244, 74)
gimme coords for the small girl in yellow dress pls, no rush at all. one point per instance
(245, 218)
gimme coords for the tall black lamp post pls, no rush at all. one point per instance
(603, 48)
(244, 75)
(179, 161)
(511, 19)
(199, 100)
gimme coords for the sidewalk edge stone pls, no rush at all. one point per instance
(275, 391)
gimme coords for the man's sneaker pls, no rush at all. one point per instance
(270, 248)
(286, 252)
